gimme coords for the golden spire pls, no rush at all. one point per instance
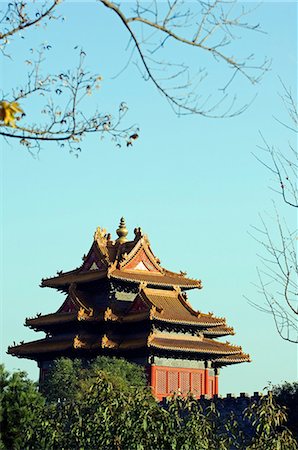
(122, 231)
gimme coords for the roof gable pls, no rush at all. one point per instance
(130, 261)
(140, 257)
(68, 306)
(141, 260)
(138, 305)
(96, 259)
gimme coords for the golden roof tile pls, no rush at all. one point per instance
(219, 331)
(172, 307)
(155, 278)
(232, 359)
(220, 353)
(121, 260)
(194, 344)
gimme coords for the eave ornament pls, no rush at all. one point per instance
(77, 343)
(108, 314)
(106, 343)
(138, 233)
(83, 314)
(150, 338)
(152, 312)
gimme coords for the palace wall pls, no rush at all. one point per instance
(229, 403)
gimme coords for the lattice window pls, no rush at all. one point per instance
(172, 381)
(196, 383)
(161, 381)
(184, 382)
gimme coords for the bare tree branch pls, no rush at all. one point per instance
(278, 273)
(17, 18)
(62, 97)
(207, 26)
(206, 22)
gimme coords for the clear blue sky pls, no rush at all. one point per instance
(191, 183)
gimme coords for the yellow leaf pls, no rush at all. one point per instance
(8, 110)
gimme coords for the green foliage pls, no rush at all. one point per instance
(268, 420)
(287, 395)
(105, 404)
(105, 417)
(194, 428)
(111, 419)
(120, 371)
(62, 381)
(21, 406)
(68, 379)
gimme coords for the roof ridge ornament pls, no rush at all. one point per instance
(138, 233)
(100, 234)
(122, 231)
(142, 286)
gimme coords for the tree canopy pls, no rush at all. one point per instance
(106, 404)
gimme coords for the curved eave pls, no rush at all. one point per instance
(156, 279)
(59, 319)
(33, 349)
(50, 319)
(66, 279)
(194, 323)
(232, 359)
(205, 346)
(145, 316)
(44, 322)
(220, 353)
(194, 345)
(73, 277)
(219, 331)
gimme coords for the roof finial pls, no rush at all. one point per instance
(122, 231)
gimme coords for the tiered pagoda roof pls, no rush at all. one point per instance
(158, 305)
(158, 320)
(128, 261)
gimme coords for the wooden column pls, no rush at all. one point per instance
(41, 374)
(206, 379)
(216, 376)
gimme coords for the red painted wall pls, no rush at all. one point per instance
(166, 380)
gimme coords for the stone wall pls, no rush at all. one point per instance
(231, 403)
(228, 404)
